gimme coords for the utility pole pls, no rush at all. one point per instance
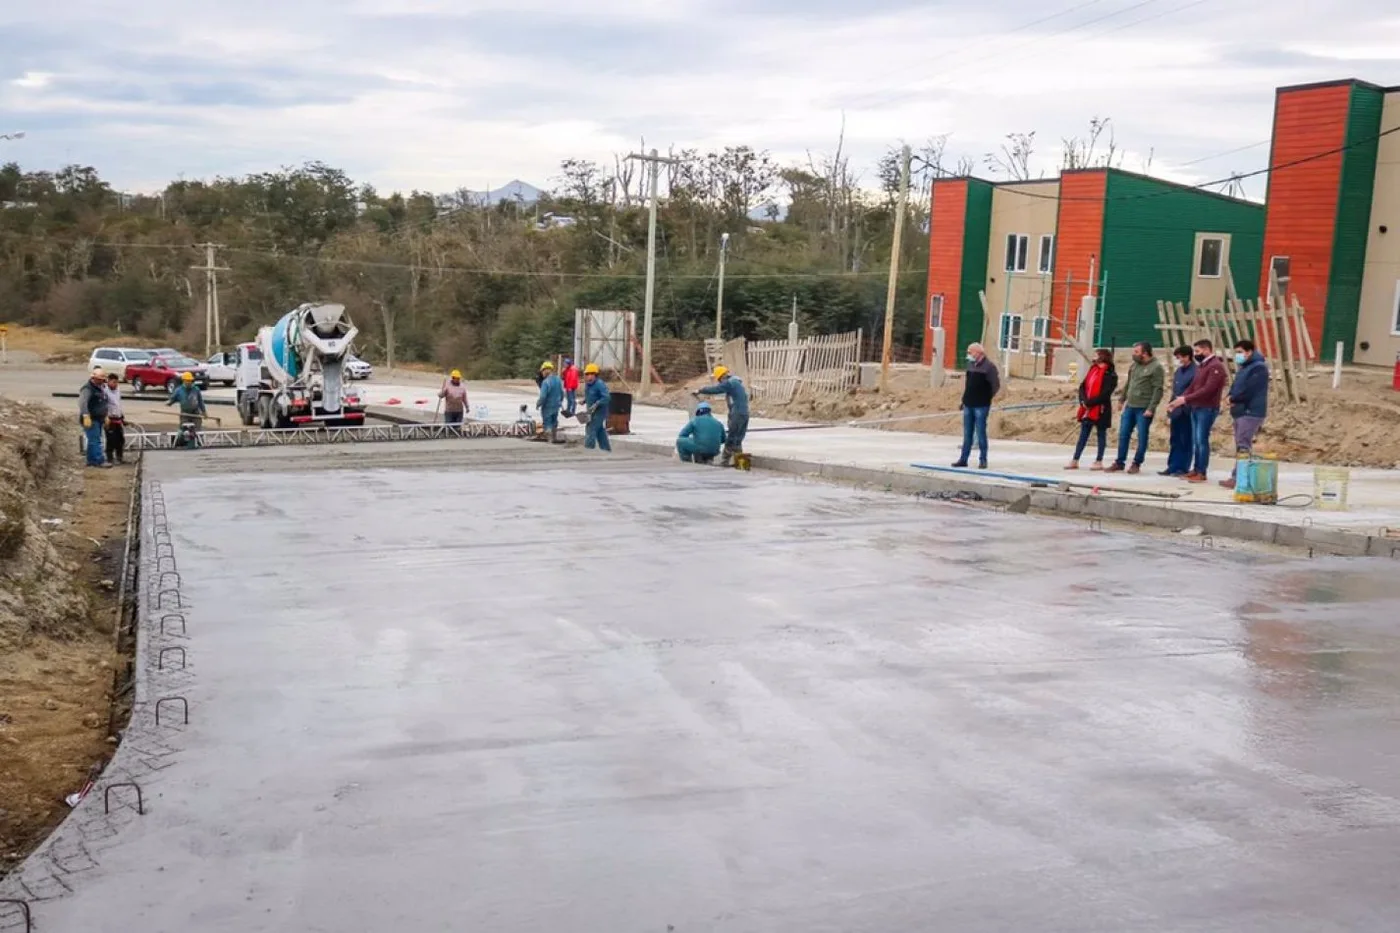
(212, 337)
(719, 302)
(655, 161)
(894, 270)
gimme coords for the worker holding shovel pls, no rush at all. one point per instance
(453, 398)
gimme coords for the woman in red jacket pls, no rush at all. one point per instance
(570, 377)
(1096, 406)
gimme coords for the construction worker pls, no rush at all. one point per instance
(92, 412)
(738, 399)
(570, 378)
(454, 398)
(551, 397)
(596, 400)
(191, 402)
(702, 438)
(116, 422)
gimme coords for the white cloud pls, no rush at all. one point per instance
(444, 93)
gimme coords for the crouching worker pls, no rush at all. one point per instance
(701, 440)
(737, 398)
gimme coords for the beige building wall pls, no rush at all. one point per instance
(1030, 210)
(1380, 284)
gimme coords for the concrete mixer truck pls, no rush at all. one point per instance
(294, 375)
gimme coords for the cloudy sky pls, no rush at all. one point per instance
(441, 94)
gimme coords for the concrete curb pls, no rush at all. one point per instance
(1147, 513)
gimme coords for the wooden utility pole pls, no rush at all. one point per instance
(894, 270)
(719, 300)
(655, 161)
(212, 337)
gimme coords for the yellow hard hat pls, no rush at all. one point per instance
(456, 374)
(721, 372)
(187, 376)
(546, 365)
(591, 369)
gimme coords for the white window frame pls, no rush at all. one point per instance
(1009, 333)
(1201, 255)
(1018, 247)
(935, 311)
(1040, 335)
(1045, 262)
(1395, 316)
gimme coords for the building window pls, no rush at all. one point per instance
(1018, 247)
(1281, 266)
(1010, 333)
(935, 312)
(1395, 318)
(1212, 257)
(1047, 254)
(1040, 335)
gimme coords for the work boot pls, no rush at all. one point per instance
(1114, 468)
(961, 465)
(1227, 483)
(1073, 465)
(1135, 468)
(982, 465)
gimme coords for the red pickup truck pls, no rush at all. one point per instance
(165, 372)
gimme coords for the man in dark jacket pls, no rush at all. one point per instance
(1249, 399)
(92, 412)
(981, 384)
(1179, 453)
(1202, 399)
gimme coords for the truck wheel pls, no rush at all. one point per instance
(137, 385)
(171, 383)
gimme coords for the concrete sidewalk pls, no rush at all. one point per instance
(1370, 524)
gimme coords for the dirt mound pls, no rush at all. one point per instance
(37, 592)
(1357, 425)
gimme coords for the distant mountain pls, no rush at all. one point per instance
(516, 191)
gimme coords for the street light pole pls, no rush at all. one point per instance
(654, 161)
(719, 301)
(894, 270)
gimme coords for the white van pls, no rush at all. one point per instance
(116, 359)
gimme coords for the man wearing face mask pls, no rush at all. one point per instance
(1202, 400)
(980, 385)
(1249, 399)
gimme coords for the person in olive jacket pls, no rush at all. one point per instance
(1140, 395)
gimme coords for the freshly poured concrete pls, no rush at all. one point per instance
(520, 689)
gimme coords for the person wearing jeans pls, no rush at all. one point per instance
(1141, 394)
(1095, 406)
(1179, 453)
(1249, 400)
(1202, 399)
(92, 412)
(981, 384)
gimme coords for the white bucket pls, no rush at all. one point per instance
(1330, 487)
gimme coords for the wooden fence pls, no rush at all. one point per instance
(1280, 333)
(781, 370)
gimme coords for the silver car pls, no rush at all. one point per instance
(357, 368)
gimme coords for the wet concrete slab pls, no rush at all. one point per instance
(517, 688)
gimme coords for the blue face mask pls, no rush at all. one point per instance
(1240, 358)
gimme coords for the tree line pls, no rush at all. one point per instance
(446, 278)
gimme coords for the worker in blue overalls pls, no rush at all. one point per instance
(738, 399)
(597, 401)
(551, 398)
(702, 438)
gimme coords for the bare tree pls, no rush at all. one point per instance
(1083, 151)
(1013, 159)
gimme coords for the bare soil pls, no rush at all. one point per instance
(1357, 425)
(62, 530)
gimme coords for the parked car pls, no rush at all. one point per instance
(222, 367)
(165, 372)
(357, 368)
(117, 359)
